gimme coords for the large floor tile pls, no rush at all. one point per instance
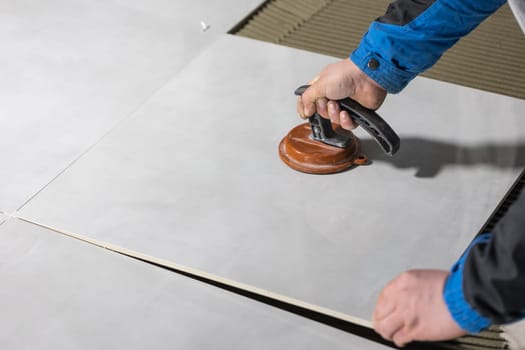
(194, 177)
(72, 69)
(59, 293)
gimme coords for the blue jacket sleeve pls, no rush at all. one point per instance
(465, 315)
(413, 35)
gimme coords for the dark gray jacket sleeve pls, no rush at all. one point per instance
(494, 271)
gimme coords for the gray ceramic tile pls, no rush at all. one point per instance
(71, 69)
(195, 178)
(59, 293)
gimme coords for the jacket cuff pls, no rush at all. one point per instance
(383, 72)
(463, 314)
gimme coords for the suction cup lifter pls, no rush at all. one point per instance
(364, 117)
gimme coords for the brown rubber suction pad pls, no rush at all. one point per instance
(301, 153)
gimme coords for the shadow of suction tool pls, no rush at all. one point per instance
(428, 157)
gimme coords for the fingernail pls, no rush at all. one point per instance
(321, 104)
(331, 107)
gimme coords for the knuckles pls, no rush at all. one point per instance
(407, 279)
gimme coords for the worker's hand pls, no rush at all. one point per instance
(335, 82)
(411, 307)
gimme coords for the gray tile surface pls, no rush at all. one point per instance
(72, 69)
(60, 293)
(195, 178)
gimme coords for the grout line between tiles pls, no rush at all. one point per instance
(344, 322)
(202, 275)
(102, 137)
(7, 217)
(117, 124)
(328, 317)
(338, 320)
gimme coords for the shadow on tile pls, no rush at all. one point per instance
(428, 157)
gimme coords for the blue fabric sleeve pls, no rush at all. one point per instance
(393, 55)
(461, 311)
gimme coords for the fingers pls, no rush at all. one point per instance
(402, 337)
(310, 97)
(336, 81)
(314, 80)
(388, 318)
(311, 101)
(338, 116)
(314, 100)
(411, 307)
(346, 122)
(306, 107)
(333, 111)
(384, 322)
(383, 309)
(393, 327)
(322, 107)
(389, 326)
(300, 107)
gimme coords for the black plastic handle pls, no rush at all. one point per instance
(368, 119)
